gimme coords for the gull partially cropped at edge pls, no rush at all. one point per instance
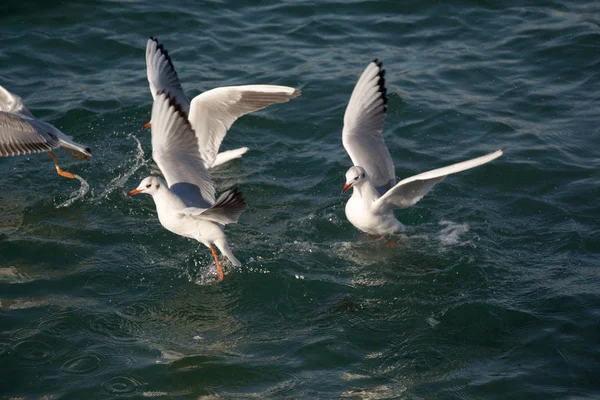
(21, 133)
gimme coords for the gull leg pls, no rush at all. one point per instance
(76, 155)
(60, 171)
(394, 244)
(220, 273)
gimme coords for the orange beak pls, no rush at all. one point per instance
(147, 125)
(134, 192)
(346, 187)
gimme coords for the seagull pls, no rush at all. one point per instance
(186, 204)
(21, 133)
(215, 109)
(375, 192)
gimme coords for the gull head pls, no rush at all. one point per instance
(354, 177)
(150, 185)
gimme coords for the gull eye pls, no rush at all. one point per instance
(148, 186)
(356, 178)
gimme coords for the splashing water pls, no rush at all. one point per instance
(450, 234)
(120, 180)
(78, 194)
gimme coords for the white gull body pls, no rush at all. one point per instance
(213, 112)
(186, 204)
(21, 133)
(375, 192)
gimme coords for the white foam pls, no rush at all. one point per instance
(451, 233)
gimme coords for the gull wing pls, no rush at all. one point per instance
(23, 135)
(161, 74)
(213, 112)
(227, 209)
(175, 151)
(363, 125)
(12, 103)
(410, 190)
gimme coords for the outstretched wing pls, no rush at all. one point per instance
(12, 103)
(175, 150)
(212, 113)
(227, 209)
(22, 135)
(410, 190)
(363, 124)
(161, 74)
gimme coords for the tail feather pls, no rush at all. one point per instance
(223, 247)
(228, 155)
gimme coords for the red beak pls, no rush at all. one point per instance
(346, 187)
(147, 125)
(134, 192)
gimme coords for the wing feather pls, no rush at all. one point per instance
(161, 74)
(175, 151)
(410, 190)
(363, 125)
(22, 135)
(227, 209)
(10, 102)
(213, 112)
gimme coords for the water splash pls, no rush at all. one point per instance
(450, 234)
(78, 194)
(120, 180)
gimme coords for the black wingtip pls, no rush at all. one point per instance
(173, 103)
(164, 52)
(238, 198)
(381, 81)
(233, 199)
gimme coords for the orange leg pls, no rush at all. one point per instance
(394, 244)
(220, 273)
(60, 171)
(76, 155)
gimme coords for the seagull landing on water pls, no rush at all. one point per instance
(186, 204)
(376, 194)
(213, 111)
(21, 133)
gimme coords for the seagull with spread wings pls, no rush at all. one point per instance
(375, 191)
(21, 133)
(186, 204)
(216, 109)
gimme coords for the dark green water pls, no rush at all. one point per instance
(493, 293)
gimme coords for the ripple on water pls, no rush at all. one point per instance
(34, 351)
(4, 348)
(105, 284)
(120, 385)
(135, 310)
(82, 364)
(114, 328)
(59, 324)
